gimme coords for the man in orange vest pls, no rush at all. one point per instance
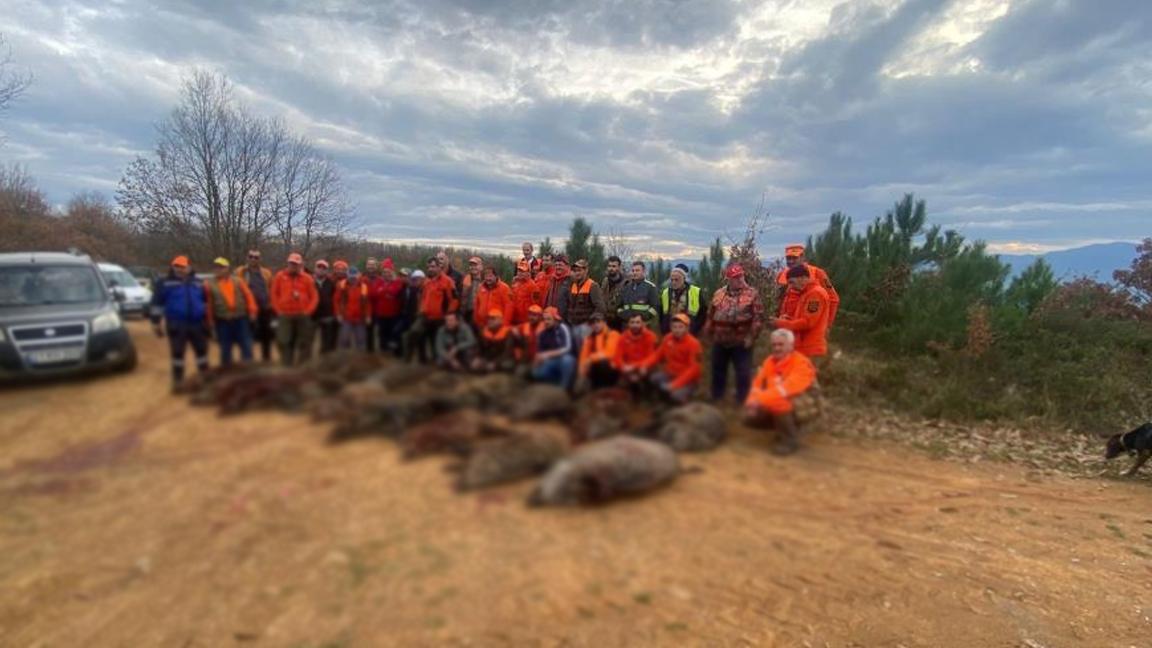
(259, 282)
(678, 357)
(353, 311)
(785, 374)
(524, 337)
(599, 356)
(494, 345)
(810, 314)
(231, 307)
(584, 300)
(294, 298)
(785, 299)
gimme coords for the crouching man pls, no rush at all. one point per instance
(495, 345)
(785, 378)
(676, 362)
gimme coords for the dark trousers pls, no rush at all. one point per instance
(740, 357)
(428, 340)
(602, 375)
(328, 330)
(294, 337)
(181, 335)
(371, 332)
(230, 333)
(263, 332)
(388, 334)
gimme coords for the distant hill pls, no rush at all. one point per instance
(1095, 261)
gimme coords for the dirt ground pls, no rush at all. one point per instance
(128, 518)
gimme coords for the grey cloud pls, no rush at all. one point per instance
(1051, 116)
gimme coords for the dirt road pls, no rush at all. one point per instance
(128, 518)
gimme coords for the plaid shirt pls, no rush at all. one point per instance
(735, 316)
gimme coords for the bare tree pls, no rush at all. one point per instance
(12, 82)
(223, 179)
(616, 243)
(311, 201)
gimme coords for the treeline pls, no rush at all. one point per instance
(949, 334)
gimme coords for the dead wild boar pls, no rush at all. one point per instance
(604, 470)
(528, 450)
(693, 427)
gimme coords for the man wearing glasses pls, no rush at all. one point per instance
(259, 280)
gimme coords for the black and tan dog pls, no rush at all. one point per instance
(1137, 443)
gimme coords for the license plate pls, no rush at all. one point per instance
(50, 356)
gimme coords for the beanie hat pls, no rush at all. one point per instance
(799, 270)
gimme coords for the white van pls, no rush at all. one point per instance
(135, 298)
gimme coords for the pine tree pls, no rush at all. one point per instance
(710, 273)
(1032, 287)
(597, 263)
(545, 247)
(579, 234)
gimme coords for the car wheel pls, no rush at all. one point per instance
(129, 363)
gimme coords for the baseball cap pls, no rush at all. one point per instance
(295, 258)
(734, 271)
(222, 262)
(180, 261)
(682, 318)
(794, 250)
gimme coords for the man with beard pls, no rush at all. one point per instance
(610, 286)
(559, 288)
(259, 280)
(327, 328)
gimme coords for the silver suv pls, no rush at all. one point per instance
(58, 316)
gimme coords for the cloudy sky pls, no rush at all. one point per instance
(1027, 123)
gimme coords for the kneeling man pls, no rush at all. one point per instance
(785, 375)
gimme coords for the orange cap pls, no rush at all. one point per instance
(496, 312)
(181, 261)
(523, 266)
(682, 318)
(295, 258)
(794, 250)
(535, 310)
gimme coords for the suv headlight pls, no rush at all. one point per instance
(109, 321)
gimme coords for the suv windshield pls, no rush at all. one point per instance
(33, 285)
(121, 277)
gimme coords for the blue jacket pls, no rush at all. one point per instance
(553, 339)
(179, 300)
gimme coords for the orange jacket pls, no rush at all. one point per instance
(598, 347)
(525, 293)
(294, 294)
(635, 349)
(526, 340)
(819, 276)
(351, 302)
(778, 382)
(681, 358)
(228, 293)
(809, 321)
(487, 299)
(438, 297)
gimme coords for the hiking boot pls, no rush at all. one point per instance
(788, 435)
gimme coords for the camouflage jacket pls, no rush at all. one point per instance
(735, 316)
